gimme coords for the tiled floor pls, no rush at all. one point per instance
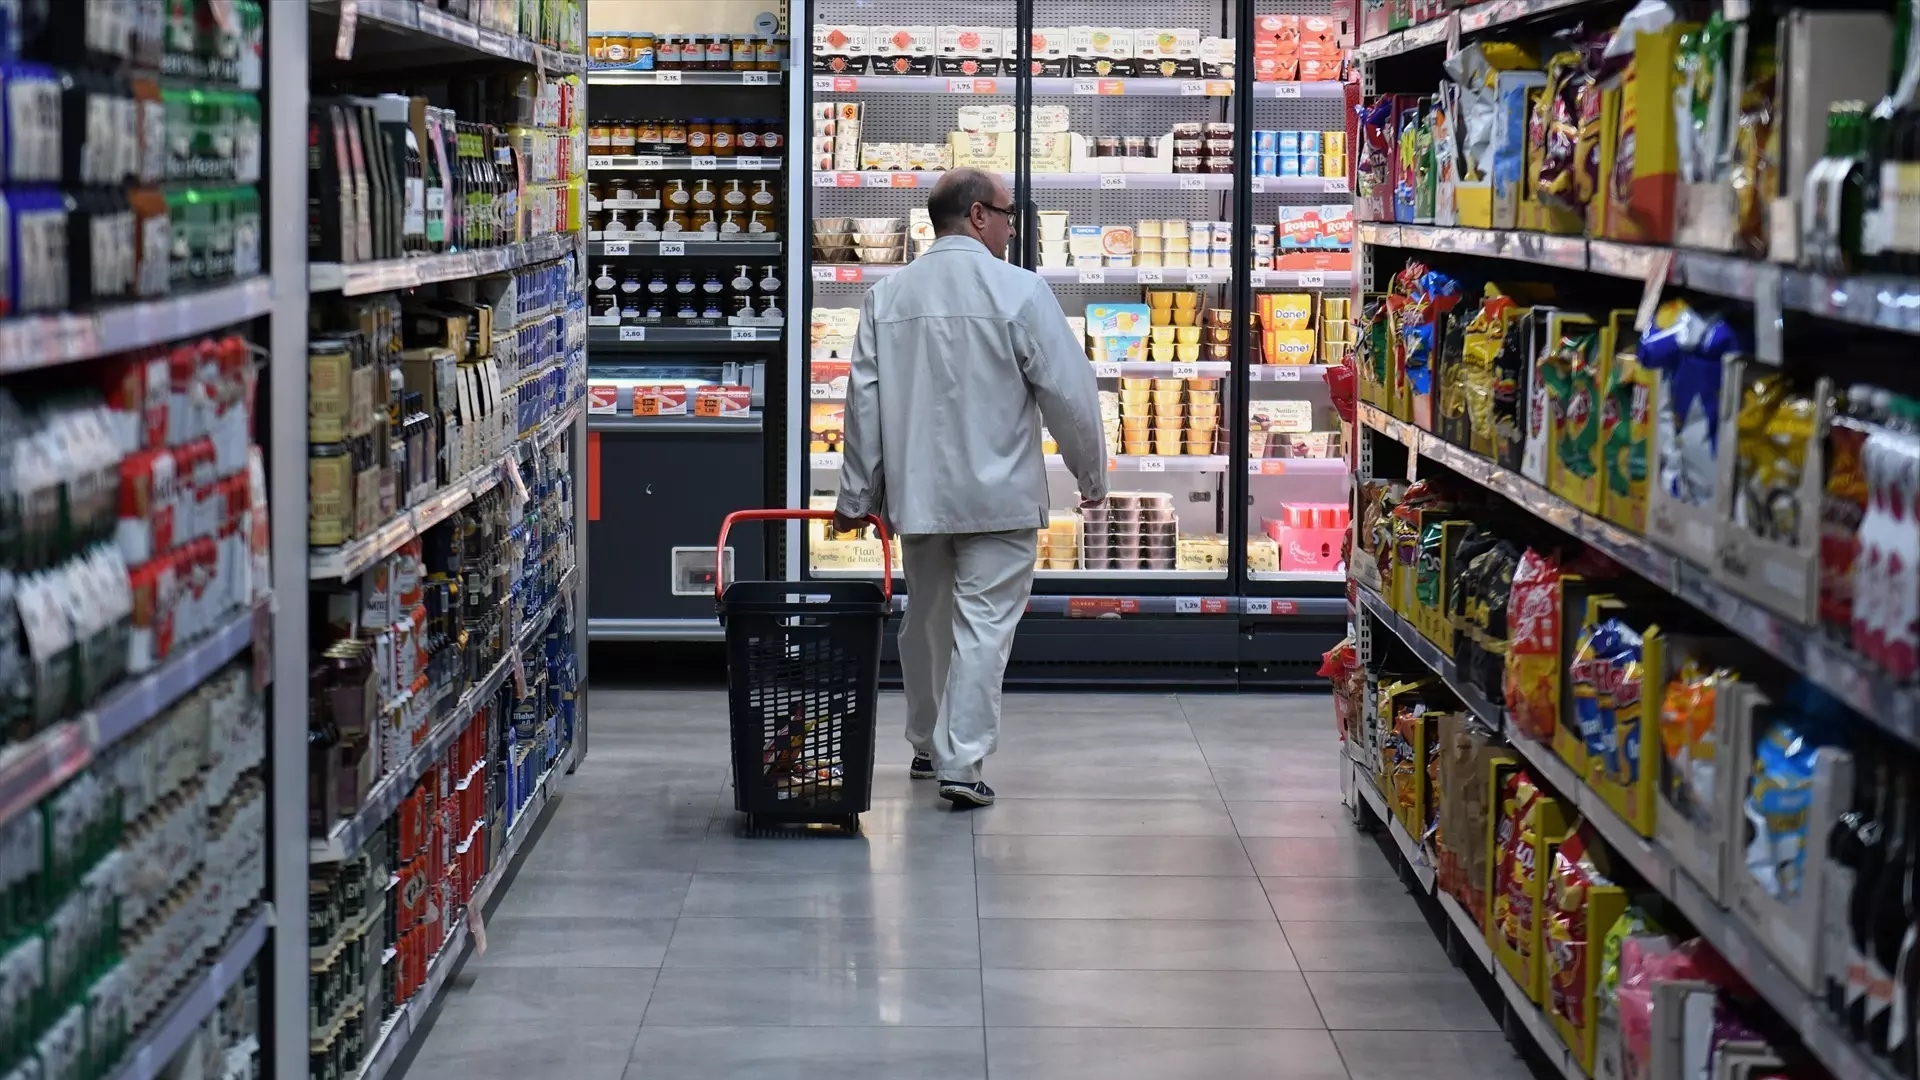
(1168, 889)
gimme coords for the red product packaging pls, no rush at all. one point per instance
(135, 386)
(1319, 69)
(146, 505)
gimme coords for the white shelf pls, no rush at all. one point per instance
(684, 163)
(414, 17)
(37, 341)
(1477, 17)
(387, 275)
(349, 834)
(1153, 369)
(1300, 185)
(1723, 929)
(1318, 90)
(153, 1051)
(1339, 280)
(1328, 577)
(629, 77)
(1042, 181)
(1287, 373)
(30, 770)
(1136, 275)
(1331, 466)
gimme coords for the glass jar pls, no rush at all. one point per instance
(657, 284)
(676, 195)
(712, 286)
(762, 193)
(712, 310)
(626, 190)
(684, 284)
(743, 308)
(600, 138)
(673, 137)
(615, 50)
(699, 136)
(656, 311)
(703, 194)
(647, 194)
(596, 223)
(768, 52)
(693, 53)
(748, 136)
(630, 310)
(604, 281)
(734, 195)
(624, 135)
(615, 227)
(644, 226)
(760, 221)
(597, 47)
(742, 50)
(725, 138)
(666, 54)
(769, 279)
(742, 280)
(686, 309)
(675, 223)
(641, 45)
(730, 221)
(606, 307)
(646, 136)
(772, 138)
(630, 283)
(719, 53)
(705, 223)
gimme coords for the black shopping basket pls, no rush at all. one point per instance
(803, 676)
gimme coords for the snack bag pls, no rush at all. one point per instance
(1689, 741)
(1499, 900)
(1626, 436)
(1605, 682)
(1687, 351)
(1565, 928)
(1572, 373)
(1485, 336)
(1774, 431)
(1842, 507)
(1517, 875)
(1777, 806)
(1532, 673)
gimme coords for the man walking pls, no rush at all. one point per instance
(958, 359)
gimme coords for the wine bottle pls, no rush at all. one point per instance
(1873, 862)
(1892, 914)
(1844, 852)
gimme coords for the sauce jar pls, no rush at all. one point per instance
(646, 136)
(615, 227)
(673, 136)
(644, 226)
(676, 195)
(703, 221)
(647, 193)
(616, 51)
(597, 47)
(725, 138)
(666, 53)
(625, 190)
(768, 52)
(719, 53)
(641, 45)
(748, 136)
(760, 221)
(597, 223)
(734, 195)
(762, 193)
(623, 137)
(693, 53)
(703, 193)
(741, 50)
(675, 224)
(600, 138)
(730, 221)
(699, 136)
(772, 137)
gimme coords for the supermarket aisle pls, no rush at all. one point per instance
(1168, 888)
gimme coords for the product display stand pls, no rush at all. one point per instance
(1630, 683)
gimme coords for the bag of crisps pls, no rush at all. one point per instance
(1532, 683)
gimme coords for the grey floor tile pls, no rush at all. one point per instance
(1288, 782)
(557, 941)
(1341, 900)
(1430, 1055)
(829, 852)
(1149, 999)
(825, 997)
(1181, 856)
(1103, 817)
(1161, 1054)
(1013, 780)
(1400, 1001)
(635, 894)
(523, 1050)
(1274, 751)
(1258, 708)
(1385, 946)
(1352, 855)
(1134, 945)
(559, 997)
(812, 1053)
(855, 896)
(926, 817)
(1327, 818)
(562, 848)
(825, 943)
(1040, 896)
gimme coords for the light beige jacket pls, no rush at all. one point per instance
(959, 357)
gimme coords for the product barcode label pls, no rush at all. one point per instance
(1286, 90)
(749, 162)
(1093, 277)
(1109, 181)
(1153, 464)
(1192, 183)
(753, 78)
(667, 78)
(745, 333)
(673, 247)
(1312, 279)
(615, 247)
(633, 333)
(1151, 277)
(649, 161)
(1185, 371)
(703, 161)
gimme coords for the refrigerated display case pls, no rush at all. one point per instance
(689, 218)
(1128, 149)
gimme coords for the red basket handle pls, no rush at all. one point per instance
(720, 551)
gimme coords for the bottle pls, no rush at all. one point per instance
(1892, 914)
(1845, 849)
(1873, 857)
(413, 223)
(436, 184)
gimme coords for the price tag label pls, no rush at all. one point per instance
(1086, 86)
(959, 86)
(600, 161)
(1312, 279)
(1193, 89)
(703, 161)
(1151, 277)
(1284, 373)
(1200, 277)
(823, 273)
(673, 247)
(1259, 279)
(649, 161)
(820, 391)
(823, 84)
(615, 247)
(349, 22)
(633, 333)
(826, 179)
(667, 78)
(1334, 185)
(749, 162)
(745, 333)
(1192, 183)
(1186, 605)
(825, 461)
(1286, 90)
(1257, 605)
(877, 179)
(706, 405)
(1106, 371)
(753, 78)
(1259, 185)
(1153, 464)
(1220, 87)
(905, 179)
(1093, 277)
(1185, 371)
(1111, 181)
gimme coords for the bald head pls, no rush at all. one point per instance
(970, 202)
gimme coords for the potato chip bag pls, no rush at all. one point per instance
(1689, 741)
(1778, 805)
(1532, 678)
(1516, 876)
(1775, 430)
(1605, 683)
(1565, 927)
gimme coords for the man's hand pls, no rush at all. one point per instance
(845, 524)
(1089, 504)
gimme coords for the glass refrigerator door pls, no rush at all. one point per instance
(1302, 252)
(895, 83)
(1132, 177)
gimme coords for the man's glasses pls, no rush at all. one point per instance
(1007, 210)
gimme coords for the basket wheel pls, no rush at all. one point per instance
(850, 823)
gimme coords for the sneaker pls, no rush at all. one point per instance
(966, 796)
(922, 767)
